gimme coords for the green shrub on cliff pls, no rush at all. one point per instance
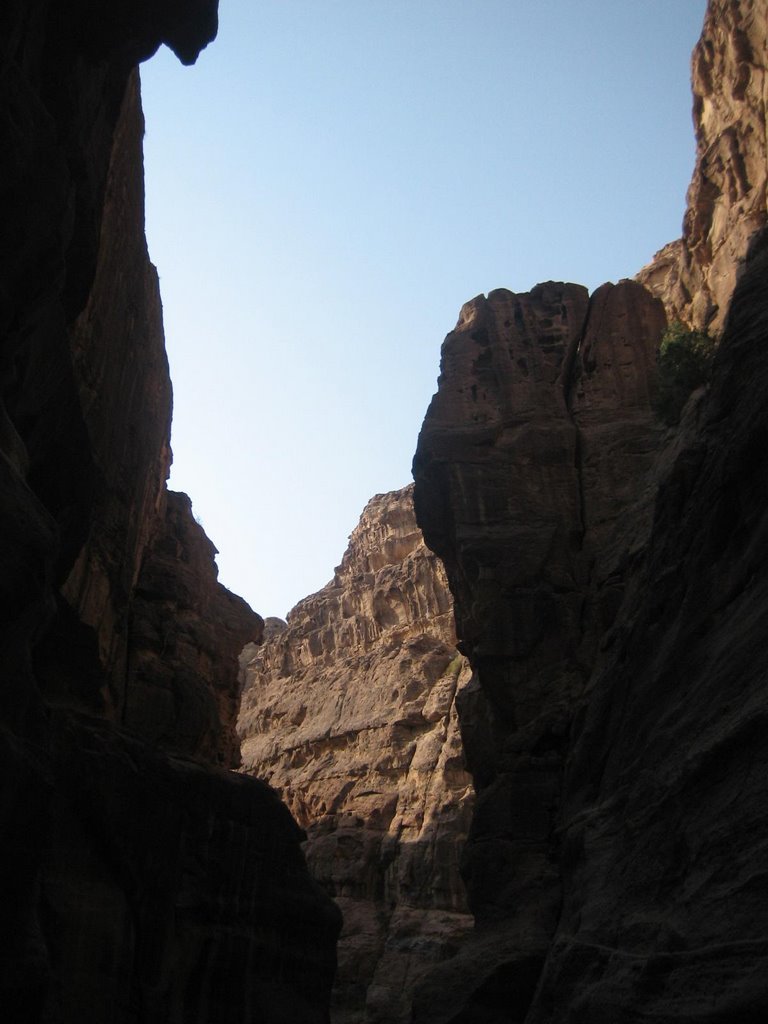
(685, 359)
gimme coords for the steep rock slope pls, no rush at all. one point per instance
(665, 820)
(532, 484)
(610, 593)
(727, 203)
(136, 886)
(349, 712)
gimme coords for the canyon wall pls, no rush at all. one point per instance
(695, 275)
(533, 484)
(349, 712)
(141, 881)
(610, 579)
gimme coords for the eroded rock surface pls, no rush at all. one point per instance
(611, 581)
(695, 276)
(349, 712)
(532, 485)
(186, 633)
(136, 886)
(665, 817)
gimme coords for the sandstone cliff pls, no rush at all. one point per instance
(695, 276)
(533, 484)
(609, 581)
(349, 712)
(136, 886)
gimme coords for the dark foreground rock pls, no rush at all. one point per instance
(135, 886)
(534, 475)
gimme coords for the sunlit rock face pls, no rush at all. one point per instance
(349, 712)
(695, 276)
(611, 583)
(140, 882)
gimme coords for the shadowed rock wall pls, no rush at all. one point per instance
(610, 582)
(349, 711)
(532, 484)
(136, 886)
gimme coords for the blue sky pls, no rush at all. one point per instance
(327, 186)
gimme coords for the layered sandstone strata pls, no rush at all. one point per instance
(136, 886)
(349, 712)
(695, 276)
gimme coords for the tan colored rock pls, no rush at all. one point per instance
(349, 712)
(726, 201)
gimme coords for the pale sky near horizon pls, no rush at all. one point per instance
(333, 180)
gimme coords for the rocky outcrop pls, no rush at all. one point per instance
(136, 886)
(610, 580)
(186, 633)
(349, 713)
(695, 276)
(532, 484)
(664, 818)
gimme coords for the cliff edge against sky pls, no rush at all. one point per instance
(141, 881)
(609, 578)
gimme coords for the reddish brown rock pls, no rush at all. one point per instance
(349, 712)
(136, 887)
(532, 485)
(664, 819)
(695, 276)
(616, 858)
(186, 633)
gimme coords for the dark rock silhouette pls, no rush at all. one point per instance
(141, 881)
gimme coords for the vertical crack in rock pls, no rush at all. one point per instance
(530, 480)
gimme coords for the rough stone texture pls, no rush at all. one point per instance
(611, 592)
(185, 628)
(726, 202)
(174, 892)
(135, 886)
(665, 818)
(349, 712)
(531, 485)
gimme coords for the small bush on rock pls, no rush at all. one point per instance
(685, 359)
